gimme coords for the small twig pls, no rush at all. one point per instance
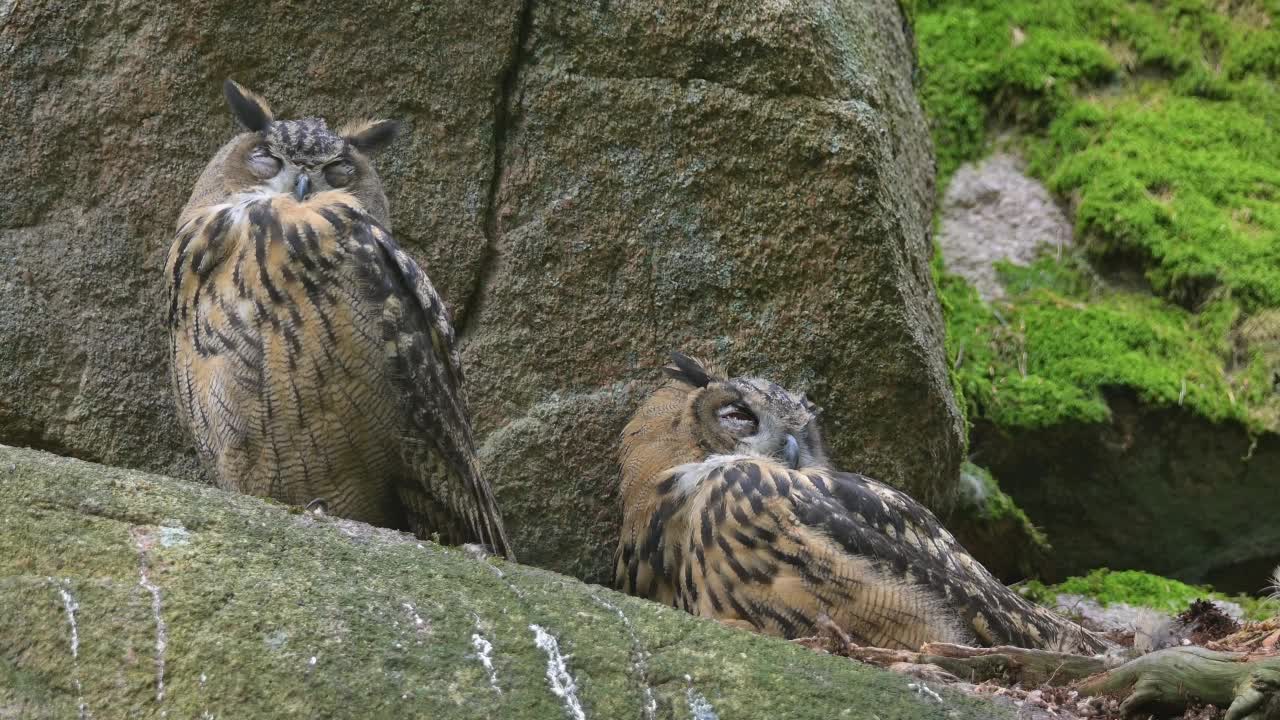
(1253, 445)
(826, 623)
(1054, 674)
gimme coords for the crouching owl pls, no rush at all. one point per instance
(732, 511)
(312, 359)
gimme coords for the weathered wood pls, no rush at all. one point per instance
(1166, 681)
(1006, 665)
(1014, 665)
(1169, 680)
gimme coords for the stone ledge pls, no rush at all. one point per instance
(134, 594)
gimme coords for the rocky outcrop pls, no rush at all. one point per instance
(134, 595)
(1160, 489)
(993, 213)
(589, 185)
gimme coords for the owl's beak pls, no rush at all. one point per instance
(303, 186)
(791, 453)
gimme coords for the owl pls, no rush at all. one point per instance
(311, 358)
(731, 510)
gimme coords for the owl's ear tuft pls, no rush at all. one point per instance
(687, 369)
(249, 108)
(370, 136)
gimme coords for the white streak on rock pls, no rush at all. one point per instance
(144, 540)
(419, 625)
(71, 607)
(922, 689)
(639, 657)
(162, 632)
(558, 677)
(172, 535)
(484, 651)
(699, 706)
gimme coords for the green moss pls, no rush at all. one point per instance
(1158, 122)
(1134, 588)
(1186, 185)
(991, 503)
(1067, 276)
(1022, 63)
(1142, 589)
(977, 73)
(1045, 356)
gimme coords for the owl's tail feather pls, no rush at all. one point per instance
(488, 525)
(430, 519)
(449, 498)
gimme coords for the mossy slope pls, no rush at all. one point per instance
(1141, 589)
(191, 602)
(1156, 121)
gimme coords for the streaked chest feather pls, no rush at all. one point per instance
(279, 317)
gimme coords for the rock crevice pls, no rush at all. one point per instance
(503, 112)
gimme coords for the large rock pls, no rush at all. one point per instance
(133, 595)
(750, 182)
(591, 185)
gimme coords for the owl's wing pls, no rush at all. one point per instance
(418, 335)
(798, 544)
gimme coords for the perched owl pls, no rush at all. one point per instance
(732, 511)
(311, 357)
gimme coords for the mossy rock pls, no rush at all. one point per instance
(1145, 590)
(1125, 394)
(1154, 123)
(135, 595)
(1151, 488)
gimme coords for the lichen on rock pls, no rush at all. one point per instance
(264, 611)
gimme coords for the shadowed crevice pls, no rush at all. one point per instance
(502, 126)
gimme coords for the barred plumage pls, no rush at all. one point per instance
(311, 357)
(732, 512)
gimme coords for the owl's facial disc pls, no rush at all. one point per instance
(738, 420)
(783, 424)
